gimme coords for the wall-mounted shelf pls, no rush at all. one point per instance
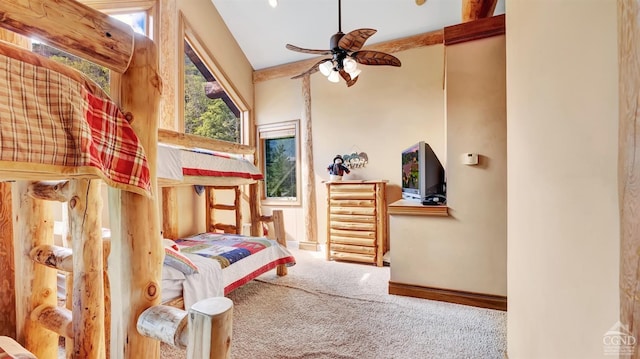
(416, 209)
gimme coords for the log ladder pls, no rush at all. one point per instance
(85, 321)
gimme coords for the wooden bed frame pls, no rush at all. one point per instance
(116, 315)
(274, 222)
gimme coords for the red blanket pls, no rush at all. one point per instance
(54, 120)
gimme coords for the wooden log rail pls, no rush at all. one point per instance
(72, 27)
(205, 330)
(195, 141)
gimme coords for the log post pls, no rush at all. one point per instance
(85, 222)
(106, 250)
(477, 9)
(136, 245)
(7, 266)
(209, 213)
(308, 174)
(254, 210)
(281, 236)
(37, 285)
(210, 329)
(170, 212)
(238, 205)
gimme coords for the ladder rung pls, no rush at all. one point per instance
(227, 207)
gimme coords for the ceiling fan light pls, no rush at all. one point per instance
(354, 73)
(349, 64)
(273, 3)
(334, 77)
(326, 67)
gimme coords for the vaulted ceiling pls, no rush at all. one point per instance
(262, 31)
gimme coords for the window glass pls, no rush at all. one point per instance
(208, 109)
(280, 162)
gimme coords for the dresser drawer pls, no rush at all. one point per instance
(354, 257)
(368, 241)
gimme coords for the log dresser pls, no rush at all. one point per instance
(357, 221)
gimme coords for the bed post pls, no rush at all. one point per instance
(169, 212)
(136, 246)
(88, 310)
(254, 208)
(7, 266)
(33, 226)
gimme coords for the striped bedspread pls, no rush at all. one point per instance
(242, 258)
(55, 120)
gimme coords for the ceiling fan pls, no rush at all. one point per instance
(346, 53)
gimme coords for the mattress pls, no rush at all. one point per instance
(199, 166)
(225, 262)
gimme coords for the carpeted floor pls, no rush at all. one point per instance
(339, 310)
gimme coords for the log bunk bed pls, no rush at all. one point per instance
(218, 167)
(60, 137)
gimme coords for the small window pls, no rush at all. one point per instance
(280, 162)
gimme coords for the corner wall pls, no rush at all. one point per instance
(466, 251)
(563, 219)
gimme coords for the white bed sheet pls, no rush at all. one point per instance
(174, 163)
(206, 283)
(213, 281)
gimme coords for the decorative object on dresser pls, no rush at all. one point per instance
(357, 227)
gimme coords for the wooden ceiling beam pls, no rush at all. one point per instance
(477, 9)
(406, 43)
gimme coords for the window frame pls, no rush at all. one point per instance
(187, 33)
(114, 7)
(269, 131)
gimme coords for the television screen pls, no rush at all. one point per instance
(411, 168)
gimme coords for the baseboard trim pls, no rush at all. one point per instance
(309, 246)
(489, 301)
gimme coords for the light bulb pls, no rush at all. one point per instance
(326, 67)
(273, 3)
(349, 64)
(354, 73)
(333, 76)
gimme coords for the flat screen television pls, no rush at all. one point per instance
(422, 173)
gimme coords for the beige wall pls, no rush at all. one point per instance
(467, 250)
(206, 22)
(563, 231)
(387, 110)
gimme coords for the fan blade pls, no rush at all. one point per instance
(368, 57)
(347, 78)
(308, 51)
(354, 40)
(313, 69)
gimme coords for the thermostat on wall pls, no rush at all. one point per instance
(470, 158)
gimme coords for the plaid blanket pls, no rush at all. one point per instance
(55, 120)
